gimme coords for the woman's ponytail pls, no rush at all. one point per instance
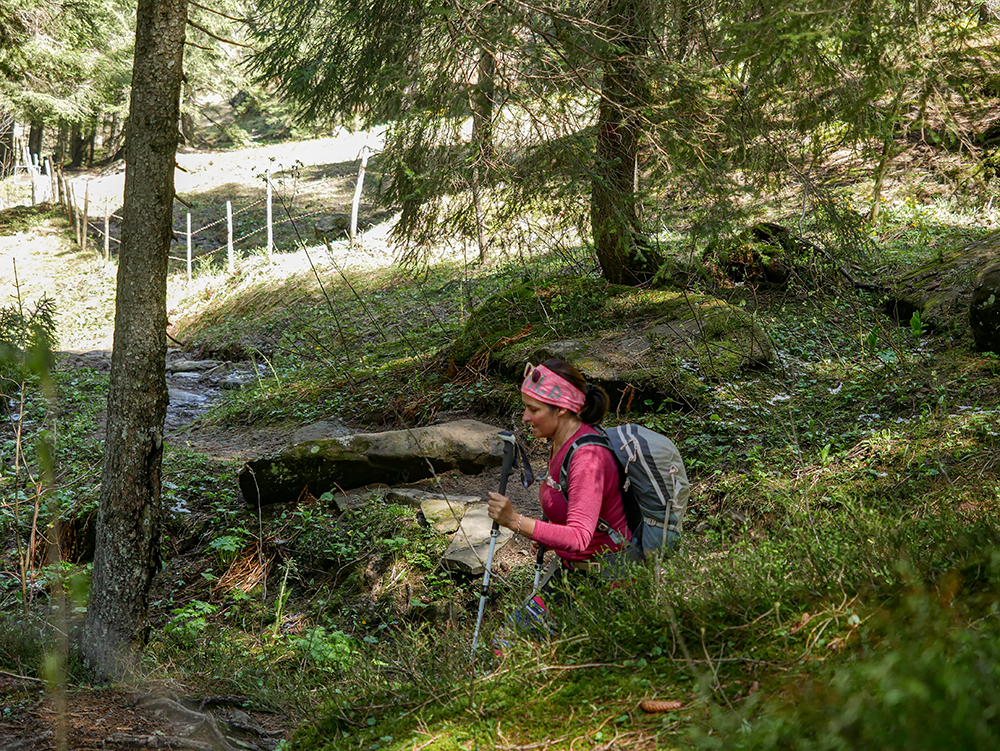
(595, 405)
(596, 400)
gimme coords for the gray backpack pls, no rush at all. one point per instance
(655, 486)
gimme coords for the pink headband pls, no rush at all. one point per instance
(551, 388)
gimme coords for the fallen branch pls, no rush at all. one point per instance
(28, 744)
(159, 741)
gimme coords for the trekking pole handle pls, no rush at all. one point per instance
(509, 446)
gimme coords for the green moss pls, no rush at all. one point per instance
(656, 345)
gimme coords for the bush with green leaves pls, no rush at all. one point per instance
(930, 683)
(189, 622)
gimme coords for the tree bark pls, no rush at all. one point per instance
(35, 134)
(59, 152)
(624, 253)
(8, 154)
(483, 100)
(128, 524)
(77, 146)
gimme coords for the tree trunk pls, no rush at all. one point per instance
(77, 146)
(989, 12)
(483, 99)
(128, 524)
(35, 134)
(8, 153)
(59, 155)
(624, 253)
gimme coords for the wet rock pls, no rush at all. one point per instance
(235, 381)
(180, 398)
(346, 462)
(194, 366)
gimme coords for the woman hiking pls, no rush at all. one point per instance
(587, 530)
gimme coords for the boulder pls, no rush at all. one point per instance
(320, 430)
(942, 288)
(332, 226)
(984, 310)
(345, 462)
(470, 545)
(645, 347)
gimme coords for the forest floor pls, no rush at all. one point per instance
(912, 406)
(43, 262)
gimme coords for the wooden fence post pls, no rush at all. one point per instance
(270, 227)
(52, 179)
(229, 225)
(35, 180)
(107, 233)
(357, 192)
(71, 207)
(86, 215)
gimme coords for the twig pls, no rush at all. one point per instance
(5, 674)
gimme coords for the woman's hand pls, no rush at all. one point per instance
(501, 511)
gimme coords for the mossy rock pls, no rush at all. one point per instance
(942, 289)
(765, 254)
(641, 345)
(353, 461)
(984, 310)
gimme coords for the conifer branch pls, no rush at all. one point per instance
(217, 37)
(216, 12)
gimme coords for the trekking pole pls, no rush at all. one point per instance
(539, 564)
(508, 463)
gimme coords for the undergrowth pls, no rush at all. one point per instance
(838, 570)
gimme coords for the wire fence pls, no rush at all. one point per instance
(49, 184)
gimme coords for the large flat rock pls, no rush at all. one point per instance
(345, 462)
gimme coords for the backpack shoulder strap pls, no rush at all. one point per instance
(590, 439)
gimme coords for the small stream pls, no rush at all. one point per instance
(194, 385)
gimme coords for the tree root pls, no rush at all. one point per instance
(199, 730)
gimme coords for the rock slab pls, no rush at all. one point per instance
(445, 514)
(470, 546)
(345, 462)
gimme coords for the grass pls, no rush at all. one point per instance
(836, 492)
(838, 566)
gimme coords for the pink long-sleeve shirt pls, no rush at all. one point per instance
(594, 491)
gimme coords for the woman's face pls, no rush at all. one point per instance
(543, 418)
